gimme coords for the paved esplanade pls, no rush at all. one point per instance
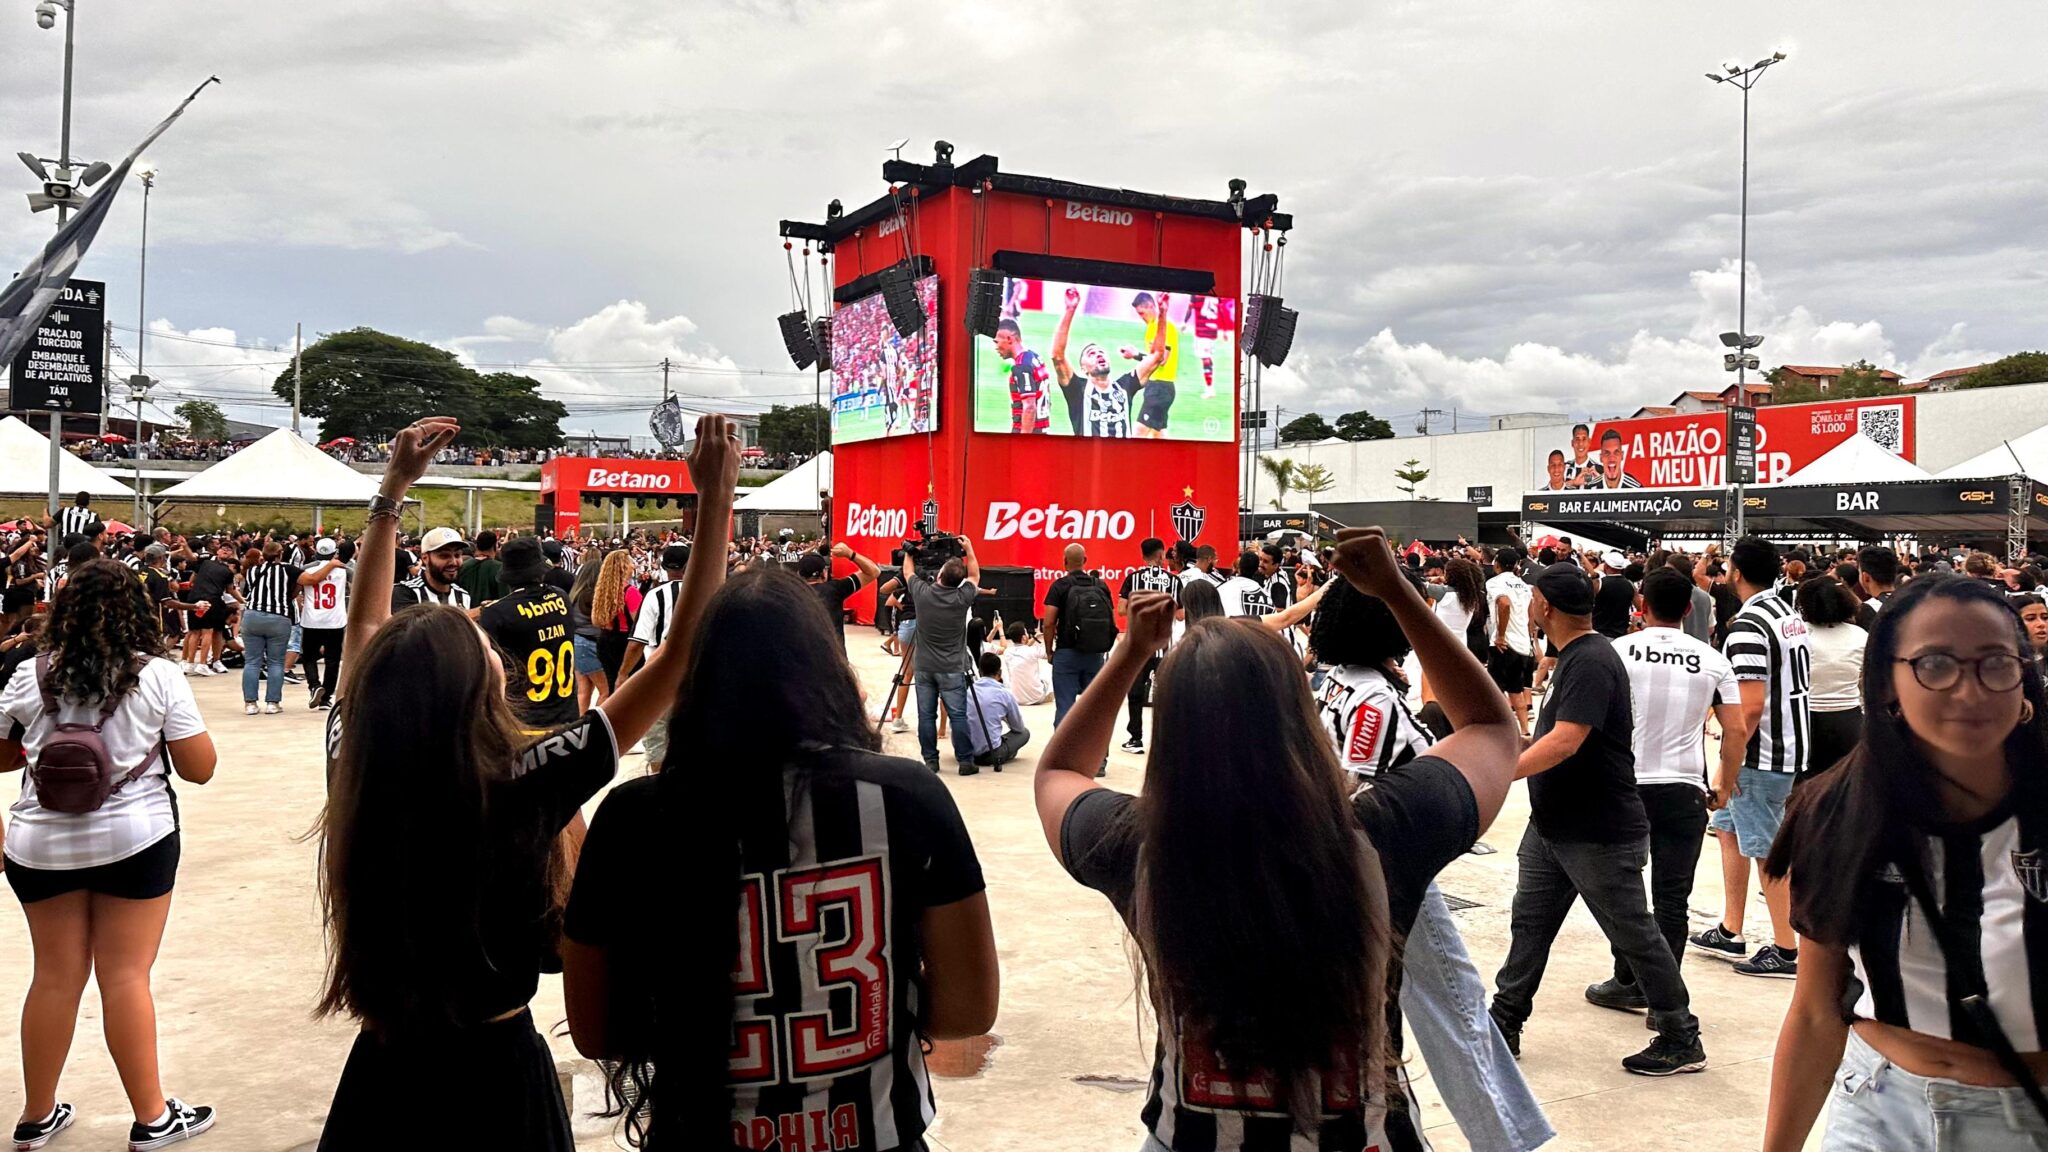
(242, 964)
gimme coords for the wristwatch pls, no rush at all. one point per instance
(382, 503)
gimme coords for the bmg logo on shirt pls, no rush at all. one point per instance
(1690, 661)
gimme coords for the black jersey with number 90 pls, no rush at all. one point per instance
(531, 626)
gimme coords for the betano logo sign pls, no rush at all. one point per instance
(1006, 518)
(602, 477)
(867, 520)
(1097, 214)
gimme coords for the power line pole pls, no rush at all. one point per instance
(106, 389)
(298, 363)
(664, 377)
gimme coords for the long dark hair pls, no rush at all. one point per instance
(1844, 825)
(583, 590)
(99, 623)
(1199, 600)
(1223, 788)
(768, 688)
(404, 838)
(1467, 582)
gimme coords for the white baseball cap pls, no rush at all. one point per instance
(441, 538)
(324, 548)
(1614, 559)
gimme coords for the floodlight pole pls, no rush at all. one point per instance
(63, 213)
(1744, 79)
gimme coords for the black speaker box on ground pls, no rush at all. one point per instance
(1015, 596)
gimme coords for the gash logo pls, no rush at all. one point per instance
(1188, 516)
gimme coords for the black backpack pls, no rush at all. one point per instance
(1088, 622)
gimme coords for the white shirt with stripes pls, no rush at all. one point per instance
(420, 592)
(657, 614)
(1673, 682)
(272, 587)
(1367, 722)
(73, 521)
(1767, 641)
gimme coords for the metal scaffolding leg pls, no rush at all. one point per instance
(2020, 494)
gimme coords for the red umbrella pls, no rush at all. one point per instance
(118, 528)
(341, 442)
(113, 438)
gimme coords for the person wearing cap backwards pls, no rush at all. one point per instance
(657, 617)
(530, 624)
(558, 574)
(441, 555)
(1614, 597)
(816, 571)
(323, 622)
(1588, 836)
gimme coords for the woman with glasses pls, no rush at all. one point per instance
(1920, 882)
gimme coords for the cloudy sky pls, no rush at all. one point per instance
(1500, 207)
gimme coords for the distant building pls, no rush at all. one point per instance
(1691, 402)
(1825, 378)
(1654, 410)
(1943, 381)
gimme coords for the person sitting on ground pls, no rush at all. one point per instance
(1024, 670)
(996, 727)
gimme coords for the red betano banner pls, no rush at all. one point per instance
(1691, 450)
(571, 478)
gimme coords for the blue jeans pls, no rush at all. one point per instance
(1756, 810)
(1876, 1107)
(1072, 672)
(264, 636)
(951, 687)
(1444, 1004)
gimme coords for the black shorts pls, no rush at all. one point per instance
(213, 620)
(492, 1086)
(1158, 396)
(1510, 670)
(144, 876)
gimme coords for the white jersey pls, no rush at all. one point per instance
(1511, 586)
(1366, 721)
(325, 605)
(1673, 682)
(1243, 596)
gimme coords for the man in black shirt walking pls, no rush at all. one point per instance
(1587, 833)
(1614, 598)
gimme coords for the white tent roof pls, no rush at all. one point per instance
(1855, 460)
(794, 491)
(2031, 450)
(25, 467)
(278, 469)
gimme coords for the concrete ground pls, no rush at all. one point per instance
(242, 961)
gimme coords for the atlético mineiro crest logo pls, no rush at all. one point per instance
(1188, 516)
(2032, 872)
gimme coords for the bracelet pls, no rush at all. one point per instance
(382, 503)
(377, 514)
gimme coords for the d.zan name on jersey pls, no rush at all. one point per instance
(1007, 518)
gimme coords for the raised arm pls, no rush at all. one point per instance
(1059, 337)
(1066, 768)
(973, 562)
(312, 576)
(869, 571)
(412, 450)
(1294, 613)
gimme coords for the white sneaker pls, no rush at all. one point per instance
(219, 669)
(897, 725)
(271, 709)
(639, 748)
(185, 666)
(202, 670)
(249, 709)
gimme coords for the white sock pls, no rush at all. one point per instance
(161, 1120)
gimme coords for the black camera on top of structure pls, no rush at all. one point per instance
(933, 549)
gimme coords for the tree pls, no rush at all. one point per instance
(1410, 475)
(797, 429)
(203, 420)
(369, 384)
(2018, 368)
(1305, 429)
(1313, 480)
(1281, 472)
(1363, 425)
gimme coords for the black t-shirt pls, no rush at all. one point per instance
(830, 1051)
(210, 578)
(1613, 601)
(1056, 597)
(1418, 820)
(834, 593)
(532, 627)
(559, 577)
(1591, 797)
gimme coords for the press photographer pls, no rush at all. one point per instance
(942, 575)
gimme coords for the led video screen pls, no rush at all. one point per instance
(884, 383)
(1089, 360)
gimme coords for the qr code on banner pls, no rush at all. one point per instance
(1886, 425)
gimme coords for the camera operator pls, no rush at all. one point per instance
(940, 658)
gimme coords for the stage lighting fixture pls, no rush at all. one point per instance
(942, 154)
(1257, 310)
(834, 210)
(95, 172)
(899, 295)
(1237, 191)
(796, 337)
(1276, 337)
(34, 165)
(984, 301)
(821, 339)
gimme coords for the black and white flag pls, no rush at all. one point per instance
(25, 299)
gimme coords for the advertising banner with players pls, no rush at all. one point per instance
(1690, 450)
(1089, 360)
(884, 383)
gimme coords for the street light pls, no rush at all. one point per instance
(138, 391)
(1739, 363)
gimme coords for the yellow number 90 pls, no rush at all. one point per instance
(551, 673)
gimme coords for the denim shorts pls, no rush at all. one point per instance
(1876, 1106)
(587, 662)
(905, 629)
(1756, 811)
(292, 645)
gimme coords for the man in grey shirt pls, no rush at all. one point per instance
(940, 661)
(1698, 623)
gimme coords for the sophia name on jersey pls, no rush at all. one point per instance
(815, 1130)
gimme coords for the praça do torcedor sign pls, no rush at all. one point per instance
(59, 369)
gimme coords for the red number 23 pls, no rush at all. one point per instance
(843, 962)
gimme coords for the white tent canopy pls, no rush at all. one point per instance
(2026, 454)
(794, 491)
(278, 469)
(25, 467)
(1856, 460)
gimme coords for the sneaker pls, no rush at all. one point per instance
(897, 725)
(294, 677)
(1719, 942)
(1668, 1055)
(1612, 993)
(326, 702)
(1770, 961)
(1512, 1033)
(970, 770)
(271, 709)
(1133, 745)
(31, 1136)
(1103, 769)
(185, 1123)
(185, 666)
(934, 766)
(219, 669)
(203, 670)
(249, 709)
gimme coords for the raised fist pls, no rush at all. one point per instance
(1073, 298)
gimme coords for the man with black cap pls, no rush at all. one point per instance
(1587, 834)
(530, 624)
(816, 570)
(559, 575)
(482, 574)
(657, 614)
(441, 554)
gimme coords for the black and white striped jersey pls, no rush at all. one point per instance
(73, 521)
(133, 560)
(658, 614)
(1674, 681)
(1767, 642)
(407, 593)
(1991, 884)
(1107, 412)
(271, 587)
(1368, 722)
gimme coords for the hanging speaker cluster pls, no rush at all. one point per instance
(984, 301)
(1268, 329)
(821, 339)
(899, 295)
(797, 338)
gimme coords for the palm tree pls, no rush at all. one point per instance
(1314, 480)
(1281, 472)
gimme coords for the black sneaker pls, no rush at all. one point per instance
(1134, 745)
(1719, 942)
(294, 678)
(29, 1136)
(969, 770)
(934, 766)
(185, 1123)
(1612, 993)
(1102, 769)
(1668, 1055)
(1770, 961)
(1512, 1033)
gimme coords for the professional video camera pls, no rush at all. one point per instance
(933, 549)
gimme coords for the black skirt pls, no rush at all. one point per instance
(490, 1086)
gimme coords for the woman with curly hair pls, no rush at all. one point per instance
(614, 605)
(96, 885)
